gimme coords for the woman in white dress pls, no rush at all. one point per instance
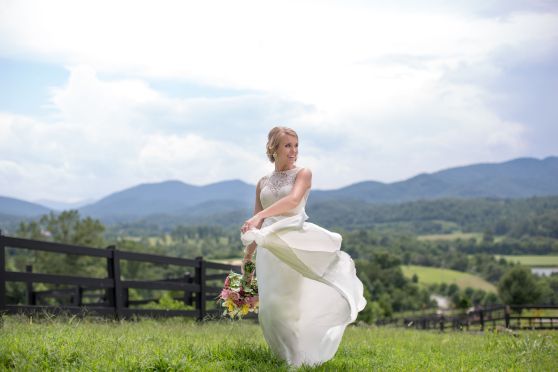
(308, 288)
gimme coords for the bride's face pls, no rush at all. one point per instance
(287, 152)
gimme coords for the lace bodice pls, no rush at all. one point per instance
(277, 185)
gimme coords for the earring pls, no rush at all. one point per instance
(274, 155)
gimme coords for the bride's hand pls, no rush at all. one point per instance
(244, 263)
(251, 223)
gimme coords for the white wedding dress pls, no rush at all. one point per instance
(308, 288)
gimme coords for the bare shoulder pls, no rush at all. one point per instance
(305, 172)
(305, 175)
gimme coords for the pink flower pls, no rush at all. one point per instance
(227, 282)
(252, 301)
(225, 294)
(234, 296)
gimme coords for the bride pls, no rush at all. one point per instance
(308, 288)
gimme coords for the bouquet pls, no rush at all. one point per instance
(240, 293)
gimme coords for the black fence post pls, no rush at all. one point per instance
(2, 273)
(109, 292)
(481, 319)
(29, 287)
(187, 293)
(113, 268)
(200, 279)
(507, 316)
(126, 297)
(118, 300)
(77, 296)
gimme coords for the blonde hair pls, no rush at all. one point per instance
(273, 139)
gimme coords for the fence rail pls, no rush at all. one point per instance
(481, 318)
(197, 285)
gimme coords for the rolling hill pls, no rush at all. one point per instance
(431, 275)
(20, 208)
(176, 200)
(518, 178)
(172, 198)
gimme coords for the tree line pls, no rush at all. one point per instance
(378, 254)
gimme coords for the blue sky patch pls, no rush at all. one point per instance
(26, 85)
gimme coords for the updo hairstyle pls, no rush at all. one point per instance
(273, 140)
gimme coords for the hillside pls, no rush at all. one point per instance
(228, 202)
(20, 208)
(432, 275)
(173, 198)
(518, 178)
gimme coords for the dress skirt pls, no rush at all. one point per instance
(308, 289)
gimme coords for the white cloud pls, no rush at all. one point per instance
(197, 158)
(103, 138)
(304, 52)
(376, 92)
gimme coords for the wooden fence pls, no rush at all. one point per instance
(198, 285)
(491, 317)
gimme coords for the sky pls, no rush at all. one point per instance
(98, 96)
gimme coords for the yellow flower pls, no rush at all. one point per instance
(230, 305)
(245, 309)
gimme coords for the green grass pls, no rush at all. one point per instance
(72, 344)
(451, 236)
(431, 275)
(540, 261)
(457, 235)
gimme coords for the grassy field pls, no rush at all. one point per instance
(169, 345)
(457, 235)
(540, 261)
(430, 275)
(452, 236)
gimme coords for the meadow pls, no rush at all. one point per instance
(70, 343)
(431, 275)
(476, 236)
(452, 236)
(532, 260)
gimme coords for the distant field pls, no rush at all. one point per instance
(452, 236)
(431, 275)
(541, 261)
(457, 235)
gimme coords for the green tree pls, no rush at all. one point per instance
(549, 288)
(488, 236)
(66, 227)
(518, 286)
(31, 230)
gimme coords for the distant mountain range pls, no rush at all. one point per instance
(518, 178)
(20, 208)
(63, 206)
(172, 198)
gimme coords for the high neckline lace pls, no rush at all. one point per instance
(285, 171)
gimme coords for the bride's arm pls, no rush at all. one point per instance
(249, 251)
(302, 183)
